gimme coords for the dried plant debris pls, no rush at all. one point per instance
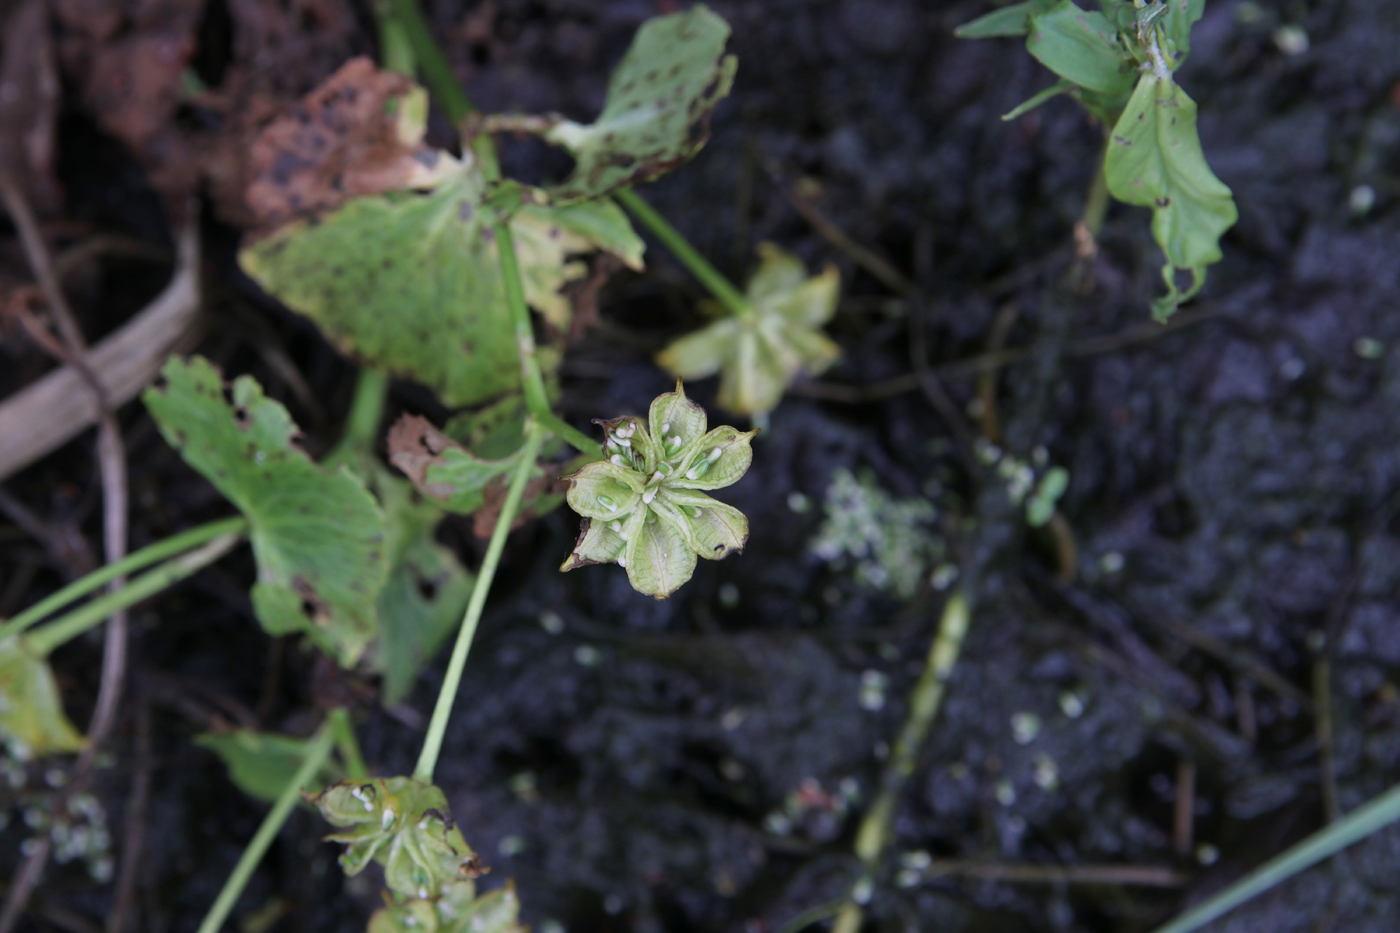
(318, 535)
(759, 356)
(644, 508)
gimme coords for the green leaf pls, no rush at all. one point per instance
(545, 236)
(319, 536)
(1176, 23)
(1014, 20)
(440, 467)
(406, 282)
(32, 721)
(404, 825)
(1035, 100)
(642, 508)
(759, 356)
(1083, 47)
(1155, 160)
(427, 590)
(262, 764)
(657, 112)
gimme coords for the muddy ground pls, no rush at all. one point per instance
(1233, 500)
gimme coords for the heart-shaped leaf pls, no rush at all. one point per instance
(318, 535)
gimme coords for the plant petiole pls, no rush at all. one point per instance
(347, 744)
(152, 553)
(710, 277)
(437, 726)
(316, 754)
(73, 624)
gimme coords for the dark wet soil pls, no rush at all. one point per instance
(1233, 498)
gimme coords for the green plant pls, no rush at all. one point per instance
(1119, 63)
(427, 270)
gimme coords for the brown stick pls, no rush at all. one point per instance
(53, 410)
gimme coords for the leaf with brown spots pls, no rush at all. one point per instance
(318, 535)
(360, 132)
(657, 114)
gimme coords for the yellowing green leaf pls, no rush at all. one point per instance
(1155, 160)
(440, 467)
(656, 116)
(406, 282)
(547, 236)
(318, 535)
(760, 355)
(262, 764)
(32, 721)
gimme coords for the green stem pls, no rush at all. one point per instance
(143, 558)
(1355, 826)
(437, 72)
(366, 409)
(347, 744)
(395, 49)
(316, 754)
(874, 835)
(1096, 204)
(437, 727)
(91, 614)
(699, 266)
(531, 377)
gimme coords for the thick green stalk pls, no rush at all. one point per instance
(437, 72)
(531, 377)
(316, 754)
(395, 49)
(168, 574)
(1355, 826)
(699, 266)
(148, 555)
(437, 727)
(366, 409)
(874, 834)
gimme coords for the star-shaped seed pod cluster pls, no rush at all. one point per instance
(644, 506)
(405, 826)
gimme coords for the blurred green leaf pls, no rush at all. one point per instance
(32, 721)
(1083, 47)
(1155, 160)
(262, 764)
(759, 356)
(1176, 23)
(546, 238)
(658, 106)
(1013, 20)
(441, 468)
(318, 535)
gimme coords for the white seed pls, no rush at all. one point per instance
(616, 460)
(387, 819)
(622, 562)
(690, 473)
(665, 427)
(648, 496)
(616, 526)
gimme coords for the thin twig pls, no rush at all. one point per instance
(1142, 876)
(1184, 812)
(864, 257)
(134, 838)
(111, 457)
